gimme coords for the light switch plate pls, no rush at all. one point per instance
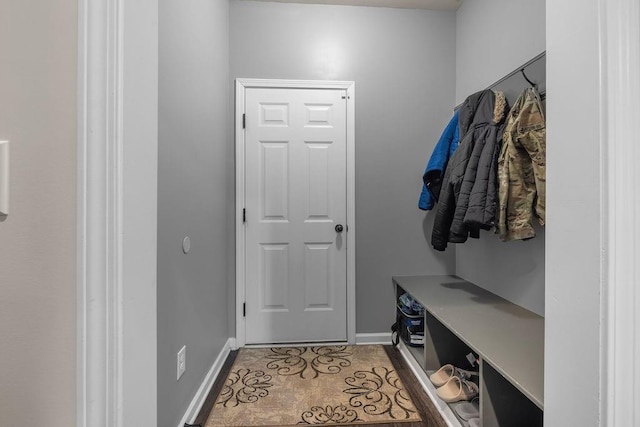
(4, 178)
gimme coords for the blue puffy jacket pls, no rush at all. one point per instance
(432, 178)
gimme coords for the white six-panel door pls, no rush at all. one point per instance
(296, 204)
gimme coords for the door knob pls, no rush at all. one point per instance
(339, 228)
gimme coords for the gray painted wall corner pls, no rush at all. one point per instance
(193, 181)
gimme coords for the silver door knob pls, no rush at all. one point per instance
(339, 228)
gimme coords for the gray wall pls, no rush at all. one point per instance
(493, 39)
(402, 63)
(192, 195)
(38, 46)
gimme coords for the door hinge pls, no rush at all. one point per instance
(244, 121)
(244, 309)
(244, 215)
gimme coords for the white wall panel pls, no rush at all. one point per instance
(574, 206)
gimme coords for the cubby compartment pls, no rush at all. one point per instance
(442, 346)
(503, 404)
(506, 341)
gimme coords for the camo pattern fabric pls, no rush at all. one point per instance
(522, 169)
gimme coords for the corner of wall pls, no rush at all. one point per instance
(194, 181)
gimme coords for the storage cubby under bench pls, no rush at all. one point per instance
(460, 318)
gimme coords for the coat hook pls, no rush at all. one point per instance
(527, 79)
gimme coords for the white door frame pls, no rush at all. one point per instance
(241, 86)
(620, 297)
(117, 145)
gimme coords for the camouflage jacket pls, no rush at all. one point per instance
(522, 169)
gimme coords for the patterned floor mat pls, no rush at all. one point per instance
(325, 385)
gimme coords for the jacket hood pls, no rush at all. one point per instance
(500, 108)
(484, 107)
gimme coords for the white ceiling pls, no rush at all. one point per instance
(405, 4)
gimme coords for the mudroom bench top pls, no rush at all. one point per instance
(505, 335)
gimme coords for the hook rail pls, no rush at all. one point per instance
(520, 69)
(535, 85)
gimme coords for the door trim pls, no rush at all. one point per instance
(241, 86)
(620, 325)
(99, 217)
(117, 127)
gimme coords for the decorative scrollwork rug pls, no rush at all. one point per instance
(327, 385)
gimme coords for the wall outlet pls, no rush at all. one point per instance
(182, 361)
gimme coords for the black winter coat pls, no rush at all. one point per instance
(469, 194)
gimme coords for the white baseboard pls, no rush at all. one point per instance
(233, 343)
(444, 410)
(205, 387)
(375, 338)
(361, 339)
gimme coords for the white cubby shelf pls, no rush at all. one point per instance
(461, 317)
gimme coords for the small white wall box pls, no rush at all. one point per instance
(4, 178)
